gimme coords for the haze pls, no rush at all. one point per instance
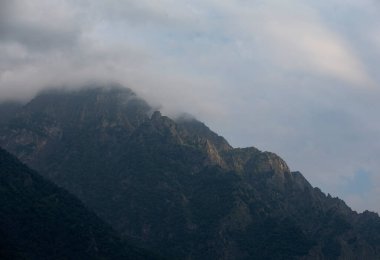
(298, 78)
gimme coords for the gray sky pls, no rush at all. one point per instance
(299, 78)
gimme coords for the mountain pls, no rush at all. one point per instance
(7, 109)
(38, 220)
(178, 188)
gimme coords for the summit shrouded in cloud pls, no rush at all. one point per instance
(297, 78)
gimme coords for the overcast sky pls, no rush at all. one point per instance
(298, 78)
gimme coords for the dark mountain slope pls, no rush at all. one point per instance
(7, 110)
(177, 187)
(41, 221)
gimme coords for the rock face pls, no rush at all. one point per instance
(177, 187)
(38, 220)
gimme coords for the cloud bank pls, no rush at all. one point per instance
(296, 78)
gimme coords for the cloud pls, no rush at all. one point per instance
(312, 48)
(299, 79)
(29, 23)
(296, 38)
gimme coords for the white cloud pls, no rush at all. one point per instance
(296, 38)
(314, 49)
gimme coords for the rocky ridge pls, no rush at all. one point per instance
(177, 187)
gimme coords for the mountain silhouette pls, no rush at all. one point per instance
(176, 187)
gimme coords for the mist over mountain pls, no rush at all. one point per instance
(296, 77)
(178, 188)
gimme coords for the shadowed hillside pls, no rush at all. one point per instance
(41, 221)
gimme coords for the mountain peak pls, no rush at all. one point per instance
(161, 180)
